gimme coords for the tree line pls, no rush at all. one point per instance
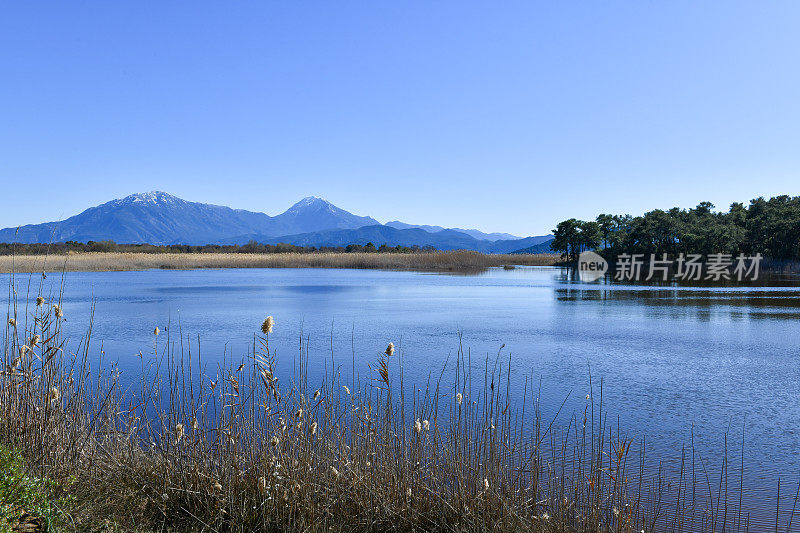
(769, 227)
(251, 247)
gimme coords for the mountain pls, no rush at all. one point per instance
(315, 214)
(154, 217)
(382, 234)
(471, 232)
(160, 218)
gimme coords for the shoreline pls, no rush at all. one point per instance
(451, 261)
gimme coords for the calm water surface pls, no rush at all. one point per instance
(672, 359)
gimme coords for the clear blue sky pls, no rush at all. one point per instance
(505, 116)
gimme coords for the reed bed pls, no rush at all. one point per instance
(112, 261)
(235, 447)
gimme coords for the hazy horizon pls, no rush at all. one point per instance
(504, 118)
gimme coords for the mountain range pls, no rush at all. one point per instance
(471, 232)
(160, 218)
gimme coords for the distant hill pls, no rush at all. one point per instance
(381, 234)
(376, 234)
(528, 245)
(162, 219)
(543, 248)
(471, 232)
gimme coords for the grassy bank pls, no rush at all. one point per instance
(187, 446)
(113, 261)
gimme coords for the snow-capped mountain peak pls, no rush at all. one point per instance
(311, 202)
(147, 198)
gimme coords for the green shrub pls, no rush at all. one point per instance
(25, 497)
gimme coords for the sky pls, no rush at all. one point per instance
(502, 116)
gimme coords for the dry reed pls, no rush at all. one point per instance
(113, 261)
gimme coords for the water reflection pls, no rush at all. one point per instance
(777, 297)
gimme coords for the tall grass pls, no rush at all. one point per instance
(459, 260)
(236, 447)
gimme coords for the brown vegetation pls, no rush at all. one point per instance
(115, 261)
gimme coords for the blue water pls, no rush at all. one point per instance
(672, 360)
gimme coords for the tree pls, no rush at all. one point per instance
(589, 236)
(606, 224)
(566, 239)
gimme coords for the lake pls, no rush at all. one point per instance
(673, 360)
